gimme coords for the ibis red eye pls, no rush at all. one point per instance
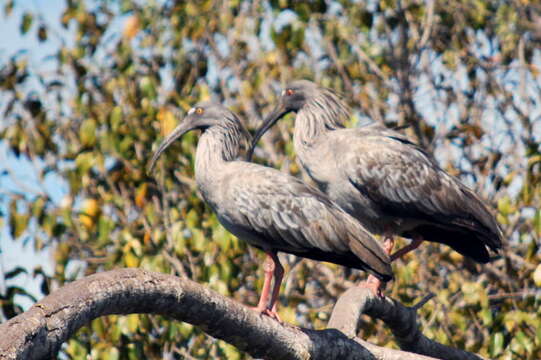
(289, 92)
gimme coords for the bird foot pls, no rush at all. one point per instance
(375, 285)
(388, 244)
(267, 312)
(272, 314)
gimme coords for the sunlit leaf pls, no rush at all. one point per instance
(167, 121)
(131, 27)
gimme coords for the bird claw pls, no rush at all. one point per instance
(388, 244)
(272, 314)
(374, 284)
(267, 312)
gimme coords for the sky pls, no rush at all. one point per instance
(21, 252)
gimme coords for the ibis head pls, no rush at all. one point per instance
(325, 106)
(202, 116)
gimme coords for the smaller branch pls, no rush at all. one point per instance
(518, 294)
(423, 301)
(427, 26)
(401, 320)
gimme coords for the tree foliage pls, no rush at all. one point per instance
(464, 75)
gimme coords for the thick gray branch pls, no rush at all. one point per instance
(402, 321)
(39, 332)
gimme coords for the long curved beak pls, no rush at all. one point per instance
(180, 130)
(279, 112)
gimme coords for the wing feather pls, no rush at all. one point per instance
(405, 181)
(293, 217)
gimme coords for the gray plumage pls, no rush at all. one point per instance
(381, 178)
(267, 208)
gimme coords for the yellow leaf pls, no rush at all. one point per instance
(537, 275)
(131, 260)
(167, 121)
(287, 314)
(204, 93)
(87, 132)
(140, 197)
(147, 238)
(89, 212)
(455, 257)
(505, 207)
(133, 322)
(131, 27)
(534, 70)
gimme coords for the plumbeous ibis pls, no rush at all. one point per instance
(269, 209)
(391, 185)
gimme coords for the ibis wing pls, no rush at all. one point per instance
(406, 182)
(293, 217)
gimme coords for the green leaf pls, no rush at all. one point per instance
(84, 162)
(18, 224)
(116, 118)
(112, 353)
(98, 327)
(486, 316)
(133, 322)
(496, 344)
(87, 132)
(148, 87)
(42, 33)
(229, 351)
(38, 206)
(505, 207)
(537, 223)
(537, 276)
(26, 22)
(8, 7)
(105, 227)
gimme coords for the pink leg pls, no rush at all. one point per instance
(278, 276)
(271, 267)
(415, 242)
(372, 282)
(388, 243)
(268, 269)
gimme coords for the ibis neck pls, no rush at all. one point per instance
(216, 147)
(313, 121)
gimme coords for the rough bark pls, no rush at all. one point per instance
(401, 320)
(39, 332)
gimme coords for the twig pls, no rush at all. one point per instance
(401, 320)
(423, 301)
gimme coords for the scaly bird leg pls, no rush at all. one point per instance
(388, 243)
(268, 269)
(278, 276)
(372, 282)
(375, 284)
(414, 244)
(272, 268)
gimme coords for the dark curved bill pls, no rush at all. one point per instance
(279, 112)
(180, 130)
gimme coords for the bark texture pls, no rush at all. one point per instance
(39, 332)
(401, 320)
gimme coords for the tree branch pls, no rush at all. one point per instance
(39, 332)
(402, 321)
